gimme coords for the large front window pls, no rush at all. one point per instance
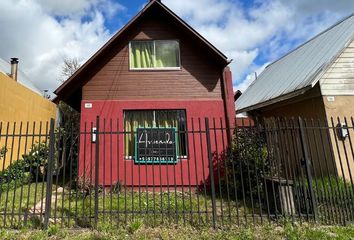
(159, 54)
(134, 119)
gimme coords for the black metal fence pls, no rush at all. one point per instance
(206, 174)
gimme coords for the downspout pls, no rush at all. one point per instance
(225, 96)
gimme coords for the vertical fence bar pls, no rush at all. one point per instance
(351, 152)
(313, 168)
(217, 163)
(48, 199)
(97, 158)
(8, 179)
(23, 169)
(211, 172)
(234, 174)
(345, 191)
(203, 168)
(70, 171)
(118, 172)
(256, 133)
(334, 211)
(304, 147)
(239, 133)
(324, 196)
(42, 177)
(15, 187)
(287, 168)
(226, 149)
(45, 142)
(249, 132)
(103, 171)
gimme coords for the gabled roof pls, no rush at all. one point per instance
(299, 70)
(66, 90)
(22, 78)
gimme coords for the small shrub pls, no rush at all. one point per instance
(15, 175)
(37, 160)
(13, 172)
(23, 171)
(12, 184)
(247, 163)
(85, 184)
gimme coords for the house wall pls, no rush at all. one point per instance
(338, 80)
(340, 109)
(19, 109)
(191, 171)
(310, 107)
(112, 88)
(199, 77)
(337, 87)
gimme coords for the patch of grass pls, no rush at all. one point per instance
(274, 232)
(76, 209)
(134, 226)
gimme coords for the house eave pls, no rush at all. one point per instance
(275, 100)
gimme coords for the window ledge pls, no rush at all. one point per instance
(156, 69)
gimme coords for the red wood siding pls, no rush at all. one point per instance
(126, 171)
(199, 77)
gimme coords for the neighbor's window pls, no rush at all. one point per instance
(134, 119)
(159, 54)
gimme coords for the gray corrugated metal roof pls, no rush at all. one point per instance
(300, 68)
(22, 78)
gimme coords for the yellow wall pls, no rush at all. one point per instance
(20, 104)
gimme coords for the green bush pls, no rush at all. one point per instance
(36, 161)
(14, 176)
(15, 171)
(248, 163)
(13, 184)
(23, 171)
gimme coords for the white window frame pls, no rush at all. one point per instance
(154, 58)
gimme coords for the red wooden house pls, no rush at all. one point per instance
(156, 72)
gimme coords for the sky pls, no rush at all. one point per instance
(253, 33)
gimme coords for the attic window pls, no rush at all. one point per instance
(155, 55)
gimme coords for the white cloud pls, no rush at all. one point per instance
(249, 79)
(42, 32)
(268, 29)
(41, 40)
(78, 7)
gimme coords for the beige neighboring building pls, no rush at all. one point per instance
(315, 80)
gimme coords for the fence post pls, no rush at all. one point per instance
(211, 172)
(48, 199)
(306, 157)
(97, 158)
